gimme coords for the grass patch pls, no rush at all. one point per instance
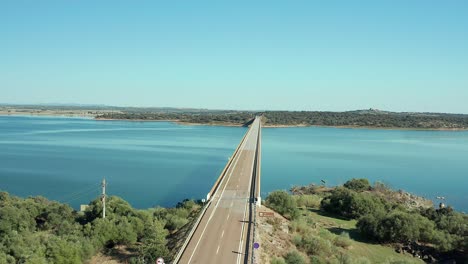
(348, 245)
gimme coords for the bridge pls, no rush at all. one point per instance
(223, 233)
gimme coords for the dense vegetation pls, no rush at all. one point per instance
(367, 118)
(387, 221)
(381, 217)
(36, 230)
(235, 118)
(360, 118)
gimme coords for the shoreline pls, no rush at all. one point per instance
(224, 124)
(286, 126)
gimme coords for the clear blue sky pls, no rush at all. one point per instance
(290, 55)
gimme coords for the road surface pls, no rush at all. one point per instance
(222, 233)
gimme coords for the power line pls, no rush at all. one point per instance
(79, 192)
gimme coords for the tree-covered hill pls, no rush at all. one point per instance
(373, 214)
(35, 230)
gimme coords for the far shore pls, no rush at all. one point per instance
(225, 124)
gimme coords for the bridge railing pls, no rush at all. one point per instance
(259, 165)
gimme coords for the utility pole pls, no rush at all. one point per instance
(103, 197)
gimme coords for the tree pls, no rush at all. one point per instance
(351, 204)
(283, 203)
(153, 245)
(358, 185)
(398, 226)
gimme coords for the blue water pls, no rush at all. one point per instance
(146, 163)
(160, 163)
(427, 163)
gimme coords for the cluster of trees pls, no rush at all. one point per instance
(387, 221)
(367, 119)
(36, 230)
(313, 245)
(238, 118)
(381, 217)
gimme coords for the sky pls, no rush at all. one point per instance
(395, 55)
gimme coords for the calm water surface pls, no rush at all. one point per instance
(160, 163)
(427, 163)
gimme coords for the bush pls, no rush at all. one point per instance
(276, 260)
(300, 226)
(397, 226)
(342, 240)
(283, 203)
(308, 200)
(317, 260)
(294, 257)
(319, 246)
(350, 204)
(357, 185)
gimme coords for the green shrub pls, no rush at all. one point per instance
(297, 240)
(342, 240)
(308, 200)
(315, 245)
(283, 203)
(276, 260)
(317, 260)
(357, 185)
(397, 226)
(351, 204)
(294, 257)
(300, 226)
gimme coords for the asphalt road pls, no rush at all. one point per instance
(221, 235)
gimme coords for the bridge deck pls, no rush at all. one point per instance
(222, 232)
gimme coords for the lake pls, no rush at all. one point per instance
(162, 163)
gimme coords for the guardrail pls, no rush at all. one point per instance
(259, 165)
(257, 199)
(207, 205)
(190, 235)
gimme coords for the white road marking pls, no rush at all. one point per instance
(219, 199)
(222, 234)
(243, 223)
(217, 251)
(228, 216)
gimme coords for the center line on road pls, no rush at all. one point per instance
(217, 251)
(222, 234)
(219, 199)
(228, 216)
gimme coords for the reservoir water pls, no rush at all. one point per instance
(161, 163)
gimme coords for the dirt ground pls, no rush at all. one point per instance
(272, 233)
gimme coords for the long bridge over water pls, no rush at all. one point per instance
(224, 231)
